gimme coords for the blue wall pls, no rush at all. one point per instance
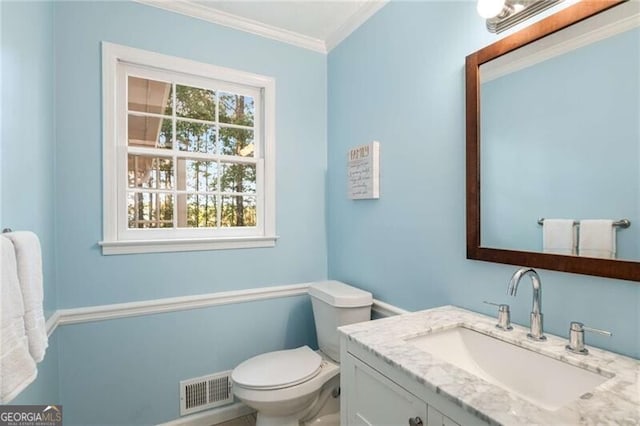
(136, 364)
(99, 361)
(399, 79)
(581, 163)
(28, 152)
(127, 371)
(85, 276)
(28, 148)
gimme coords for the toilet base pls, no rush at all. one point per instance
(328, 414)
(325, 410)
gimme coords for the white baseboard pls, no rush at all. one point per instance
(173, 304)
(214, 416)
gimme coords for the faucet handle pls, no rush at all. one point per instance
(576, 337)
(504, 316)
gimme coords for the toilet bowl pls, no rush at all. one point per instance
(283, 386)
(301, 386)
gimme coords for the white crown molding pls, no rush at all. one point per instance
(173, 304)
(195, 10)
(199, 11)
(618, 20)
(365, 12)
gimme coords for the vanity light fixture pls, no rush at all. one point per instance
(504, 14)
(490, 8)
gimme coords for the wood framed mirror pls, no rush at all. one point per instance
(477, 247)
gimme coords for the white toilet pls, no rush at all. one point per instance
(300, 386)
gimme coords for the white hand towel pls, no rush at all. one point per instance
(597, 239)
(17, 367)
(29, 258)
(559, 236)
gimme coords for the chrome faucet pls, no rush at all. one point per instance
(536, 332)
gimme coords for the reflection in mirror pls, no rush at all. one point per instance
(552, 132)
(560, 135)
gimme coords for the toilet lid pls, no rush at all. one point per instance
(278, 369)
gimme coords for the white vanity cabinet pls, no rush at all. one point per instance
(387, 377)
(374, 393)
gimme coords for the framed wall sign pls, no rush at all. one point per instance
(364, 171)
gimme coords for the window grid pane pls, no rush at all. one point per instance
(149, 131)
(222, 194)
(150, 96)
(150, 209)
(150, 172)
(238, 211)
(197, 211)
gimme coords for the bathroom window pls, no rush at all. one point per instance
(188, 155)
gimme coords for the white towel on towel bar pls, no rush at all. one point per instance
(17, 367)
(597, 239)
(29, 259)
(559, 236)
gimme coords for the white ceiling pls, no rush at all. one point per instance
(318, 25)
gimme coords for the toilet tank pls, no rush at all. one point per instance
(336, 304)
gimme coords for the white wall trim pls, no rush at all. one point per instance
(118, 238)
(173, 304)
(182, 303)
(185, 244)
(213, 417)
(358, 18)
(52, 323)
(198, 11)
(622, 18)
(386, 310)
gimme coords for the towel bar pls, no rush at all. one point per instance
(622, 223)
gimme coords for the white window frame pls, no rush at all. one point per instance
(117, 237)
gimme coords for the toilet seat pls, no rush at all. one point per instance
(278, 370)
(284, 395)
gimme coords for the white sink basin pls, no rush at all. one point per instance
(543, 381)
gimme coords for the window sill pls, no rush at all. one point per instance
(187, 244)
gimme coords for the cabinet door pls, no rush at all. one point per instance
(374, 400)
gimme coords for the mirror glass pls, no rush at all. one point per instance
(560, 134)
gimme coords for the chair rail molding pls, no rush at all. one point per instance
(173, 304)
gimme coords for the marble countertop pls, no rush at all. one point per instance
(614, 402)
